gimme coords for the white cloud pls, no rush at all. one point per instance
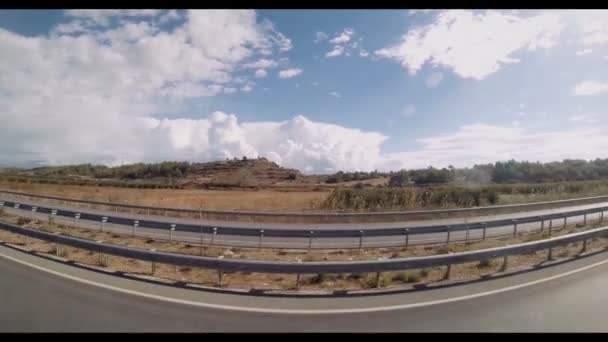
(343, 37)
(480, 143)
(336, 51)
(363, 53)
(584, 118)
(261, 73)
(408, 110)
(414, 12)
(248, 88)
(589, 88)
(320, 36)
(229, 90)
(434, 80)
(101, 17)
(289, 73)
(583, 52)
(261, 64)
(335, 94)
(595, 33)
(74, 26)
(491, 37)
(99, 88)
(171, 15)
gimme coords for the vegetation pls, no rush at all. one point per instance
(341, 176)
(130, 171)
(408, 198)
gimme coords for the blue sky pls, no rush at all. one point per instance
(404, 89)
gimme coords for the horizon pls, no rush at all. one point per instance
(317, 91)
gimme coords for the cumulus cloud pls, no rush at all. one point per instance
(289, 73)
(260, 73)
(84, 96)
(589, 88)
(335, 52)
(595, 33)
(101, 17)
(261, 64)
(335, 94)
(343, 37)
(454, 36)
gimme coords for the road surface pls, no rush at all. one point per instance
(36, 301)
(275, 242)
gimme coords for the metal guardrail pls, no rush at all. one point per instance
(528, 206)
(304, 267)
(301, 233)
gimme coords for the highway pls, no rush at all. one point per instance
(278, 242)
(36, 301)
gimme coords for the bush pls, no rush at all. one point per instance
(407, 277)
(23, 221)
(369, 281)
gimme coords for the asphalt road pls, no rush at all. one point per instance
(35, 301)
(252, 241)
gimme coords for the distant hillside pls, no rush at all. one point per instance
(259, 172)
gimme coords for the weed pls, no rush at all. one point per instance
(22, 221)
(485, 263)
(407, 277)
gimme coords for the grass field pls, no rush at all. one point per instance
(256, 200)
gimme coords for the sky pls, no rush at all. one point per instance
(319, 91)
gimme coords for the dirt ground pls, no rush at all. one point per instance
(286, 281)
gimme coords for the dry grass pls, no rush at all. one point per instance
(281, 281)
(254, 200)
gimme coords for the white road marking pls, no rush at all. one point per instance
(301, 311)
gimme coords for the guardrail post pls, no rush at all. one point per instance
(377, 279)
(483, 237)
(220, 275)
(550, 254)
(34, 209)
(261, 237)
(152, 264)
(585, 219)
(466, 236)
(447, 239)
(135, 224)
(542, 224)
(407, 237)
(310, 240)
(514, 228)
(171, 232)
(550, 226)
(213, 236)
(298, 281)
(565, 221)
(360, 239)
(584, 249)
(448, 271)
(504, 263)
(202, 241)
(103, 223)
(76, 217)
(602, 217)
